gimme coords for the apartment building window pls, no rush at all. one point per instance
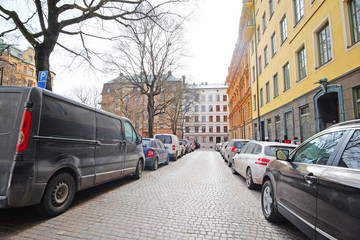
(258, 34)
(218, 108)
(354, 14)
(301, 62)
(225, 129)
(298, 10)
(210, 98)
(271, 8)
(264, 21)
(254, 102)
(25, 70)
(187, 119)
(283, 29)
(13, 67)
(357, 101)
(253, 73)
(203, 129)
(324, 44)
(277, 127)
(269, 129)
(210, 118)
(224, 98)
(203, 139)
(203, 118)
(31, 72)
(211, 139)
(217, 129)
(286, 72)
(266, 55)
(196, 108)
(196, 118)
(267, 87)
(252, 46)
(224, 108)
(210, 129)
(218, 98)
(203, 98)
(260, 65)
(217, 118)
(289, 124)
(261, 97)
(210, 108)
(273, 44)
(276, 85)
(187, 129)
(196, 129)
(305, 123)
(203, 108)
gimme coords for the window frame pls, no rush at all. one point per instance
(283, 29)
(273, 44)
(287, 80)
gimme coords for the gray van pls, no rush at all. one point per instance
(51, 147)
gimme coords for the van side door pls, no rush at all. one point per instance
(109, 154)
(130, 148)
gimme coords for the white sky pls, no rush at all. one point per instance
(212, 35)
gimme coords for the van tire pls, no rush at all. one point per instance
(139, 169)
(58, 195)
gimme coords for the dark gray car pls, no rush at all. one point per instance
(317, 186)
(51, 147)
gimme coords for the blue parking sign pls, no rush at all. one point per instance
(42, 79)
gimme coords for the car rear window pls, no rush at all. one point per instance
(271, 150)
(9, 108)
(146, 142)
(166, 139)
(239, 145)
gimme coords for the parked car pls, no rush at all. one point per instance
(317, 186)
(186, 143)
(51, 147)
(217, 146)
(171, 141)
(234, 146)
(223, 149)
(155, 153)
(253, 158)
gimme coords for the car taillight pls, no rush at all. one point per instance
(24, 133)
(233, 149)
(173, 147)
(150, 153)
(262, 161)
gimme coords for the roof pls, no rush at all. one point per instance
(122, 78)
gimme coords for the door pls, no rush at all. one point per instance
(241, 161)
(130, 148)
(162, 151)
(297, 183)
(109, 154)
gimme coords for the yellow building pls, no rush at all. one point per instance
(305, 61)
(238, 79)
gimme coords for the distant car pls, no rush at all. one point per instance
(234, 146)
(171, 141)
(252, 160)
(317, 186)
(223, 149)
(217, 146)
(155, 153)
(186, 144)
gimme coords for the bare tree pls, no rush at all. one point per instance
(146, 56)
(89, 95)
(41, 22)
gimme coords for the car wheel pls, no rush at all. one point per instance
(249, 182)
(268, 203)
(139, 170)
(58, 195)
(167, 160)
(155, 164)
(229, 162)
(233, 168)
(176, 157)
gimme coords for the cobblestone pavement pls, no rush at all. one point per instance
(196, 197)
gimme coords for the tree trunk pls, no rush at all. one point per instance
(150, 108)
(42, 61)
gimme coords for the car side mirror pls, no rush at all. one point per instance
(138, 139)
(282, 154)
(237, 150)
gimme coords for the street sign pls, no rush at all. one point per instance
(42, 79)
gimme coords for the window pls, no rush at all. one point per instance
(129, 132)
(225, 118)
(196, 118)
(252, 46)
(187, 129)
(305, 123)
(203, 129)
(31, 72)
(211, 139)
(225, 129)
(210, 98)
(253, 73)
(218, 98)
(210, 129)
(269, 128)
(224, 108)
(298, 10)
(273, 44)
(224, 98)
(203, 108)
(218, 108)
(260, 65)
(350, 157)
(254, 102)
(217, 129)
(318, 150)
(196, 129)
(217, 118)
(25, 70)
(283, 29)
(210, 118)
(210, 108)
(261, 97)
(258, 34)
(301, 58)
(354, 14)
(276, 85)
(203, 98)
(13, 67)
(271, 7)
(266, 55)
(324, 44)
(277, 127)
(289, 124)
(203, 118)
(357, 101)
(286, 72)
(187, 119)
(203, 139)
(264, 21)
(196, 108)
(267, 86)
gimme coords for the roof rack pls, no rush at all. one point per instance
(346, 123)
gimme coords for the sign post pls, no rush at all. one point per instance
(42, 79)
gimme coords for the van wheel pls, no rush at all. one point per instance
(139, 170)
(58, 195)
(155, 164)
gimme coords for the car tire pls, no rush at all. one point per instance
(268, 205)
(176, 157)
(167, 160)
(155, 164)
(249, 181)
(229, 162)
(139, 170)
(58, 195)
(233, 169)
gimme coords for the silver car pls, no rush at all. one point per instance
(234, 146)
(253, 158)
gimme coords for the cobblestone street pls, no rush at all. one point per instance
(196, 197)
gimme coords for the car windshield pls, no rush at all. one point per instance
(166, 139)
(146, 142)
(271, 150)
(239, 145)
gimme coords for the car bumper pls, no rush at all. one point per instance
(149, 162)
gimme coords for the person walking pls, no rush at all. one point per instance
(286, 140)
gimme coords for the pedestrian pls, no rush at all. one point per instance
(276, 140)
(286, 140)
(295, 140)
(267, 139)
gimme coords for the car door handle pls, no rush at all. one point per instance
(310, 179)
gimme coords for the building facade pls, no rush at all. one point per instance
(207, 119)
(306, 60)
(238, 80)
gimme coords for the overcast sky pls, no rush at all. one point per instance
(211, 34)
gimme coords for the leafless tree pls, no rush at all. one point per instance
(89, 95)
(42, 22)
(146, 57)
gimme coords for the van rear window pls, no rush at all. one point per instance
(9, 108)
(166, 139)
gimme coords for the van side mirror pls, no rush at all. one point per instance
(138, 139)
(282, 154)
